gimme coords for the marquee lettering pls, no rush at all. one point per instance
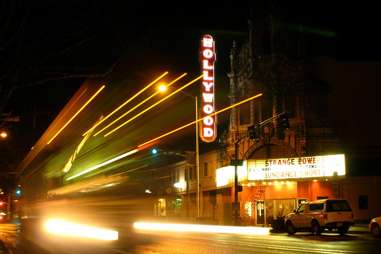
(208, 57)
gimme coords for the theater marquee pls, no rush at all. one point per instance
(299, 167)
(208, 131)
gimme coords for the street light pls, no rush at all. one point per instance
(3, 134)
(162, 88)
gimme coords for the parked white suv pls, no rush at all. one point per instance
(319, 215)
(375, 226)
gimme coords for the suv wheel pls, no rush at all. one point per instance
(290, 228)
(315, 228)
(375, 229)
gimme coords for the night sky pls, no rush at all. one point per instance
(51, 39)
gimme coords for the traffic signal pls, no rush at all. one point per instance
(283, 121)
(154, 151)
(283, 124)
(253, 131)
(18, 191)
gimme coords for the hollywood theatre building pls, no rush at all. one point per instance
(285, 143)
(289, 149)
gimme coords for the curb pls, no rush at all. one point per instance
(357, 230)
(361, 229)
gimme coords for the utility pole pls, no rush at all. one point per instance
(236, 203)
(197, 158)
(197, 152)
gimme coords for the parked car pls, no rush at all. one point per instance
(331, 214)
(375, 226)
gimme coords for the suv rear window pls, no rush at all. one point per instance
(316, 207)
(338, 206)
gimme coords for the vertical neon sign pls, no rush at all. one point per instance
(208, 131)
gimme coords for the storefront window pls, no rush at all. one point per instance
(249, 208)
(363, 202)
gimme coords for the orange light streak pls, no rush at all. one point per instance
(79, 111)
(139, 104)
(72, 104)
(153, 105)
(127, 101)
(195, 122)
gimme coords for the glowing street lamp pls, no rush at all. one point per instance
(3, 134)
(162, 87)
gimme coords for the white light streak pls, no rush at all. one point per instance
(197, 228)
(119, 157)
(67, 228)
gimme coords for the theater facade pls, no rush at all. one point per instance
(272, 188)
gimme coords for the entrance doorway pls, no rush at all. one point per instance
(260, 212)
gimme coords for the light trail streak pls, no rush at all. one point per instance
(72, 158)
(59, 118)
(67, 228)
(127, 101)
(197, 228)
(119, 157)
(146, 144)
(138, 105)
(195, 122)
(153, 105)
(79, 111)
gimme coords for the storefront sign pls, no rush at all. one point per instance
(300, 167)
(208, 57)
(225, 175)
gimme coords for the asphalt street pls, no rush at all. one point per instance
(208, 243)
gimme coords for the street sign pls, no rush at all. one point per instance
(236, 162)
